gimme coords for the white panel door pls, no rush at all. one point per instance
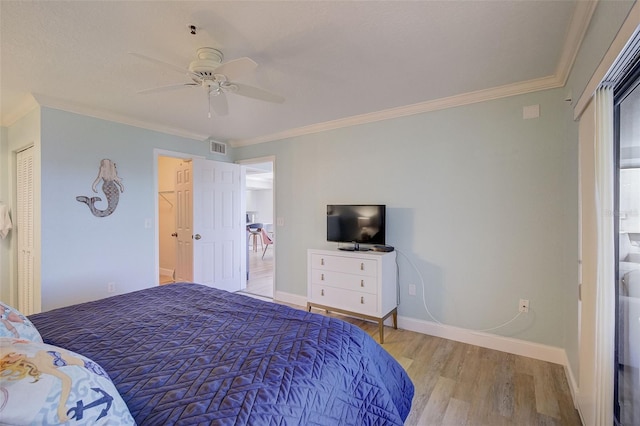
(184, 221)
(217, 226)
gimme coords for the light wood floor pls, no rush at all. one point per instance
(260, 280)
(460, 384)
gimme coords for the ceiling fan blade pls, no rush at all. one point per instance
(166, 88)
(256, 93)
(237, 68)
(219, 104)
(159, 62)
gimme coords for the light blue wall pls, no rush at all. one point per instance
(477, 198)
(81, 253)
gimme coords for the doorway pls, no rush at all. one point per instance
(200, 235)
(167, 217)
(261, 235)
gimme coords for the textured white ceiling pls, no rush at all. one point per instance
(330, 59)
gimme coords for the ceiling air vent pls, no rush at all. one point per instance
(218, 147)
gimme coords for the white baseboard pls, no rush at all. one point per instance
(573, 384)
(486, 340)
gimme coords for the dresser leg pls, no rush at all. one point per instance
(395, 319)
(381, 330)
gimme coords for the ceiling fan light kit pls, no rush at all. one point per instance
(208, 60)
(209, 72)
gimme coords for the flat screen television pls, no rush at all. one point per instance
(356, 223)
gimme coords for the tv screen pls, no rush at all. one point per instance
(360, 224)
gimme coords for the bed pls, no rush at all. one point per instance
(190, 354)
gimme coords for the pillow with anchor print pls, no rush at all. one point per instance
(46, 385)
(14, 324)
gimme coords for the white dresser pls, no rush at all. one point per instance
(361, 284)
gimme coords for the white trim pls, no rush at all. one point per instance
(27, 104)
(50, 102)
(618, 45)
(529, 86)
(577, 28)
(573, 386)
(490, 341)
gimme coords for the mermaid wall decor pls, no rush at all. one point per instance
(111, 186)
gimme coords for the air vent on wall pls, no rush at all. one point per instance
(218, 147)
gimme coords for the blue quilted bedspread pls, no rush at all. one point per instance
(189, 354)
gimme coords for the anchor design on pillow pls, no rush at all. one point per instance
(111, 186)
(77, 412)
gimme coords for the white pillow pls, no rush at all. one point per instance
(46, 385)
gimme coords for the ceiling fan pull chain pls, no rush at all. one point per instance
(209, 102)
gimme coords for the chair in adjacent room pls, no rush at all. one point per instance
(266, 239)
(254, 230)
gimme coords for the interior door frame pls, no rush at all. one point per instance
(156, 232)
(268, 159)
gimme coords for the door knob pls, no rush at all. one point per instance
(175, 234)
(197, 236)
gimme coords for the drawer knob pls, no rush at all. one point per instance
(322, 292)
(322, 261)
(321, 277)
(362, 266)
(362, 300)
(361, 283)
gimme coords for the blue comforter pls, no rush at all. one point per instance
(189, 354)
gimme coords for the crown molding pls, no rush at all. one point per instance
(575, 34)
(54, 103)
(617, 47)
(580, 21)
(529, 86)
(27, 104)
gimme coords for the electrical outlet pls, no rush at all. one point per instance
(523, 306)
(412, 289)
(111, 287)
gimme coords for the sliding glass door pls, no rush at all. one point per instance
(627, 133)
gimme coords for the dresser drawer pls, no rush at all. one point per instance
(358, 302)
(344, 264)
(362, 283)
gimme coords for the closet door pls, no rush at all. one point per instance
(24, 230)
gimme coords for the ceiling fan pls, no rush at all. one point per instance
(208, 72)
